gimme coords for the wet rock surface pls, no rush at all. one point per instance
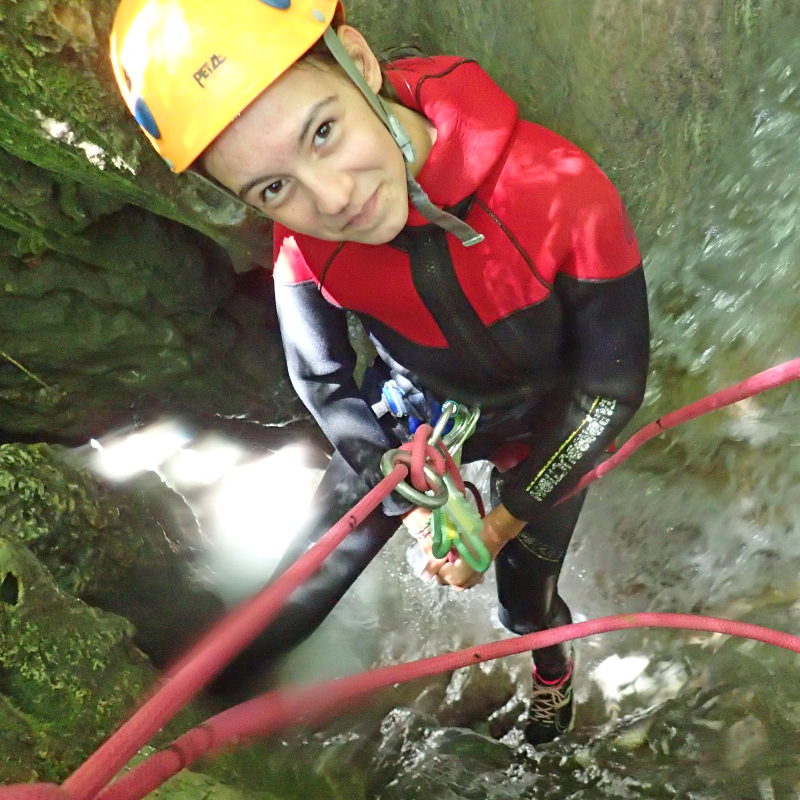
(119, 287)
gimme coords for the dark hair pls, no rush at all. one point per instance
(319, 54)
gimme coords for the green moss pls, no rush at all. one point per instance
(70, 672)
(85, 535)
(60, 109)
(190, 786)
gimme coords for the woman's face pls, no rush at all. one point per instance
(311, 154)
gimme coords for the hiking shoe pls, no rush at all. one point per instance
(551, 713)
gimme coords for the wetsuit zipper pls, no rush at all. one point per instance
(435, 280)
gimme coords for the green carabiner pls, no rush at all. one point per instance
(458, 525)
(464, 423)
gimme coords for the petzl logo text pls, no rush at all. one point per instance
(208, 69)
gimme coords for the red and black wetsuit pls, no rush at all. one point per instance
(544, 324)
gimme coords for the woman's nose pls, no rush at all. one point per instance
(332, 191)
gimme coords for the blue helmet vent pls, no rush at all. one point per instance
(145, 118)
(281, 5)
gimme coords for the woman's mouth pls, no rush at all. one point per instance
(365, 215)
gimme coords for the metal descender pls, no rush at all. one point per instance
(455, 524)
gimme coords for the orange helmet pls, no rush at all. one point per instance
(186, 68)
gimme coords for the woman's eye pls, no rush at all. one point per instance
(323, 132)
(271, 191)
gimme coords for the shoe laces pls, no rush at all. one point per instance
(549, 697)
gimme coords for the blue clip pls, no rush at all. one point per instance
(395, 399)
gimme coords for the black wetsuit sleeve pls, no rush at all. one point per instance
(321, 361)
(607, 340)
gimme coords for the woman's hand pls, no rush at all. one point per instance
(418, 522)
(499, 527)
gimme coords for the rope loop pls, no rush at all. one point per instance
(437, 455)
(427, 464)
(421, 454)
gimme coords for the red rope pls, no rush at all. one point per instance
(768, 379)
(420, 448)
(33, 791)
(216, 650)
(240, 627)
(476, 495)
(277, 710)
(225, 641)
(438, 457)
(453, 471)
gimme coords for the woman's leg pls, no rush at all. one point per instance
(310, 603)
(527, 585)
(527, 582)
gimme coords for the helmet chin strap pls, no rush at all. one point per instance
(379, 105)
(416, 193)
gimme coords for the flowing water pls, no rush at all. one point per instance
(706, 520)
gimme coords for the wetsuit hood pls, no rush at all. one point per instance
(474, 121)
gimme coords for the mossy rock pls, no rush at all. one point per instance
(117, 277)
(60, 110)
(188, 785)
(124, 550)
(87, 535)
(70, 672)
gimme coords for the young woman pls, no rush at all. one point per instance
(490, 260)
